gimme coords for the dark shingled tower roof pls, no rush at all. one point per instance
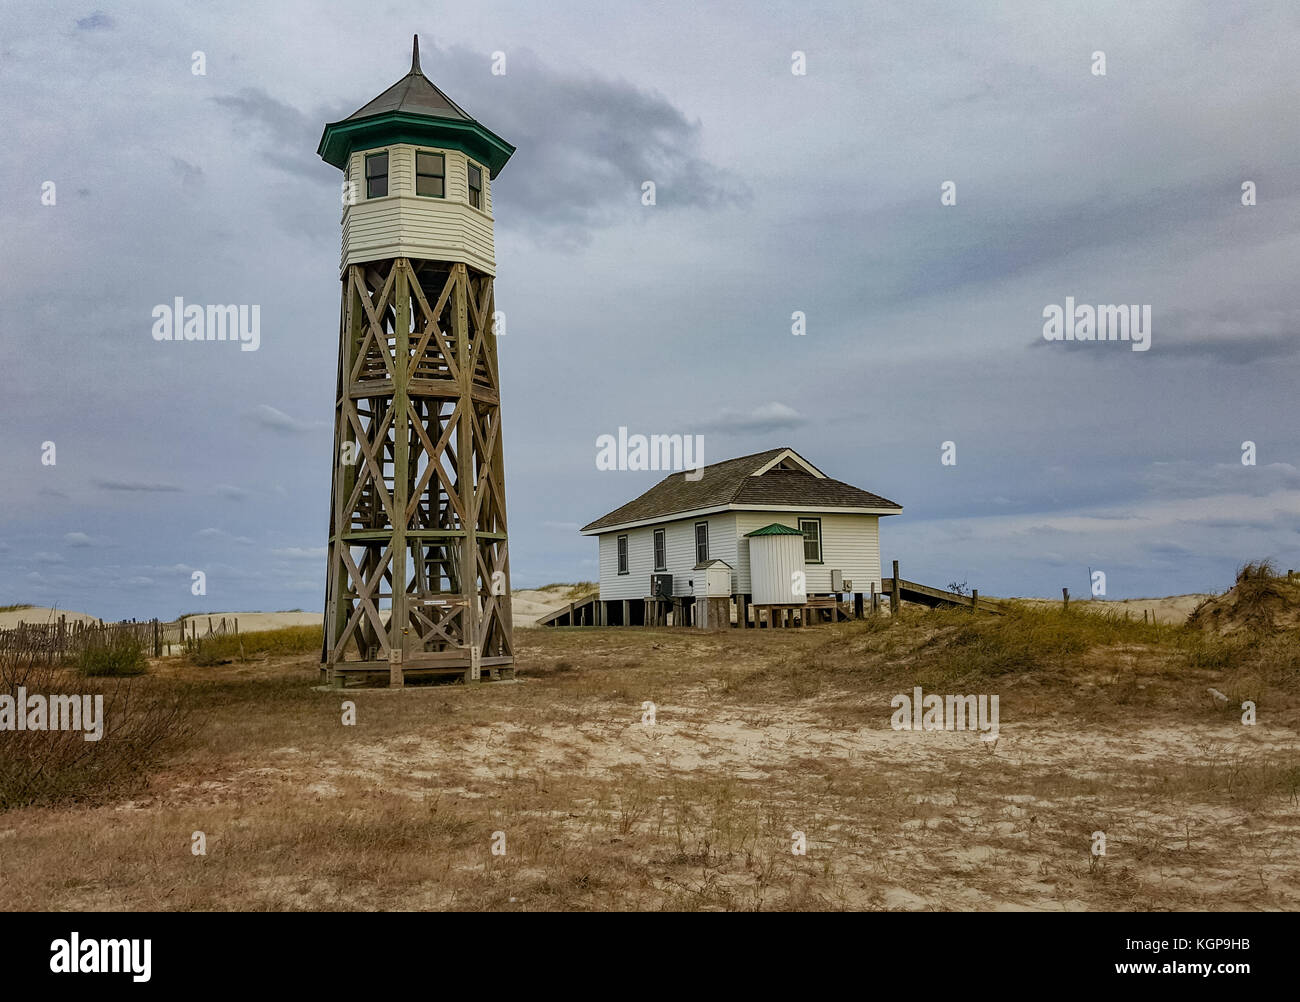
(414, 93)
(413, 111)
(731, 482)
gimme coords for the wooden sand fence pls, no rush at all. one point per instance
(60, 639)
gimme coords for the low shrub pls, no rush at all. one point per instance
(135, 720)
(112, 654)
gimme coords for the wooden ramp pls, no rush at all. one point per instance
(835, 611)
(934, 597)
(580, 612)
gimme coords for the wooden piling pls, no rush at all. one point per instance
(1065, 599)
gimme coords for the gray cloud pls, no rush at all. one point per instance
(94, 22)
(288, 135)
(1243, 334)
(1185, 478)
(188, 173)
(277, 420)
(1164, 548)
(1247, 334)
(214, 533)
(136, 485)
(301, 552)
(769, 417)
(585, 143)
(774, 194)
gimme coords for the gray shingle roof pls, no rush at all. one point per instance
(730, 482)
(414, 93)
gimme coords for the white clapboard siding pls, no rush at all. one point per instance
(679, 548)
(403, 224)
(850, 544)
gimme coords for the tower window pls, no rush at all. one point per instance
(476, 186)
(376, 175)
(431, 175)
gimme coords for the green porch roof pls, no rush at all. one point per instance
(775, 529)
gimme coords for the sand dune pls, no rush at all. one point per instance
(42, 615)
(528, 604)
(250, 621)
(1172, 609)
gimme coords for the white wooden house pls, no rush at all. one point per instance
(659, 545)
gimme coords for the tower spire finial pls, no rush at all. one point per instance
(415, 54)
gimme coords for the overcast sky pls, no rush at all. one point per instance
(776, 193)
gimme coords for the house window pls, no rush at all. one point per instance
(812, 539)
(431, 175)
(376, 175)
(661, 554)
(701, 542)
(476, 186)
(622, 554)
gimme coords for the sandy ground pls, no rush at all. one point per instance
(755, 738)
(530, 604)
(1174, 609)
(527, 606)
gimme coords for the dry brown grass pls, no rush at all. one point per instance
(1105, 726)
(257, 645)
(1260, 602)
(138, 723)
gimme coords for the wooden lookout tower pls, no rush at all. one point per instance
(419, 571)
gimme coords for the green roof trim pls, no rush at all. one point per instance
(775, 529)
(341, 139)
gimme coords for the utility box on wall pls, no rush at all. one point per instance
(713, 578)
(712, 589)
